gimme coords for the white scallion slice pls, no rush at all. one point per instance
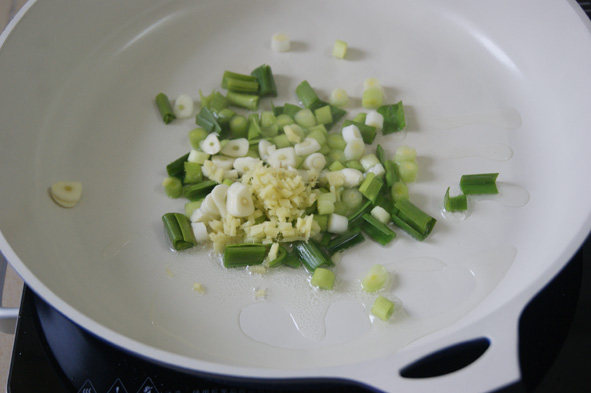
(337, 223)
(315, 161)
(380, 214)
(351, 132)
(66, 193)
(339, 97)
(306, 147)
(353, 177)
(369, 160)
(354, 149)
(280, 42)
(183, 106)
(197, 156)
(371, 82)
(283, 158)
(236, 147)
(211, 144)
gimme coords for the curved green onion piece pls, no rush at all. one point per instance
(239, 255)
(165, 109)
(482, 183)
(456, 203)
(264, 77)
(179, 231)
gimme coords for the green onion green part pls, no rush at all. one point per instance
(411, 219)
(311, 255)
(281, 254)
(377, 230)
(177, 167)
(173, 187)
(306, 94)
(455, 204)
(196, 136)
(192, 172)
(215, 101)
(206, 119)
(392, 174)
(482, 183)
(264, 77)
(178, 228)
(357, 215)
(240, 255)
(165, 109)
(371, 186)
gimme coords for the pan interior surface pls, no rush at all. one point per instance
(481, 95)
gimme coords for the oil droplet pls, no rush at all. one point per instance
(492, 151)
(455, 216)
(507, 118)
(510, 195)
(114, 248)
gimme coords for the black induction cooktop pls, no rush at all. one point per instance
(52, 354)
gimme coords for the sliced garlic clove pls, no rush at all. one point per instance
(239, 200)
(66, 193)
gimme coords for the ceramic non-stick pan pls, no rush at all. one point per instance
(488, 87)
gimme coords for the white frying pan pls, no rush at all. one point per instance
(491, 86)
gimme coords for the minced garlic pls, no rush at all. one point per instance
(281, 196)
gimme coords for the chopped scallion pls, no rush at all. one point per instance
(239, 255)
(377, 230)
(178, 228)
(456, 203)
(393, 117)
(311, 255)
(264, 76)
(482, 183)
(413, 220)
(165, 109)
